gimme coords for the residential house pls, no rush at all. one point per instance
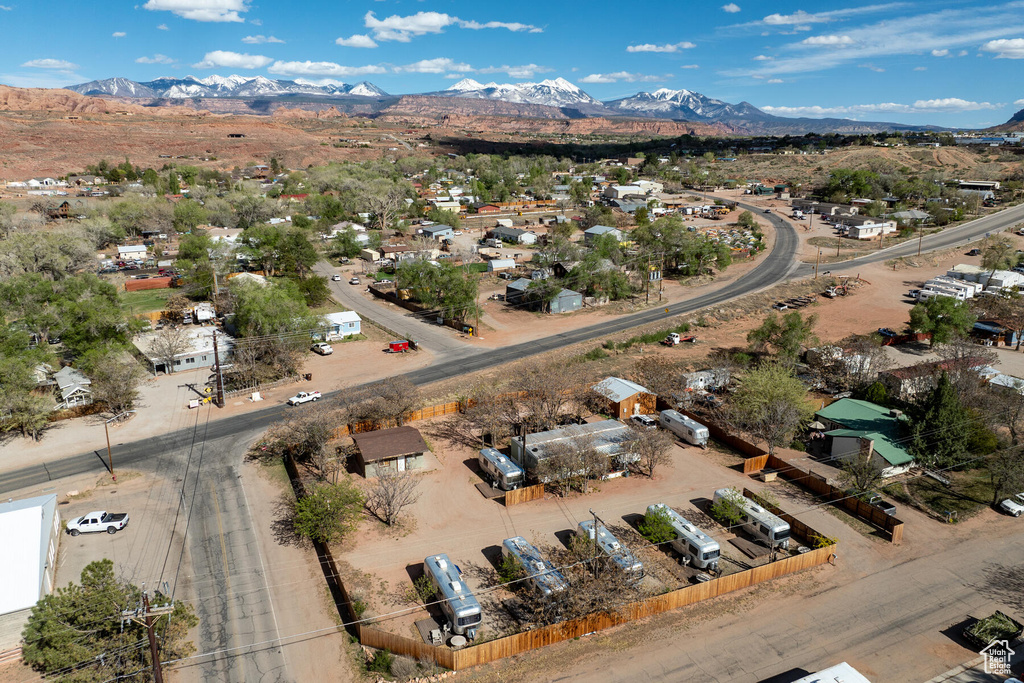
(73, 387)
(863, 429)
(626, 398)
(342, 324)
(711, 379)
(58, 210)
(623, 191)
(866, 227)
(591, 235)
(650, 186)
(629, 205)
(196, 349)
(906, 384)
(516, 235)
(127, 252)
(1000, 279)
(910, 217)
(609, 437)
(400, 448)
(30, 529)
(487, 208)
(992, 333)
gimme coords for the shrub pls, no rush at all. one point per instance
(509, 569)
(728, 511)
(381, 662)
(404, 668)
(656, 527)
(798, 445)
(819, 541)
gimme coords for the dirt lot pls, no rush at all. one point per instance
(382, 563)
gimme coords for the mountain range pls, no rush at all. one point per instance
(564, 100)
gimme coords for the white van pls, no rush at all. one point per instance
(688, 430)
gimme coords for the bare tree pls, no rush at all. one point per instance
(170, 343)
(1006, 472)
(850, 364)
(651, 448)
(573, 462)
(385, 205)
(962, 359)
(549, 393)
(176, 307)
(115, 382)
(859, 473)
(384, 402)
(664, 377)
(393, 492)
(308, 433)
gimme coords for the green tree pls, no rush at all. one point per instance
(444, 217)
(579, 192)
(998, 253)
(78, 633)
(785, 336)
(642, 216)
(444, 287)
(151, 179)
(344, 245)
(942, 427)
(944, 317)
(274, 309)
(173, 183)
(747, 220)
(656, 526)
(296, 253)
(328, 512)
(728, 509)
(188, 215)
(770, 404)
(315, 291)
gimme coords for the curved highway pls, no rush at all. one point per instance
(777, 265)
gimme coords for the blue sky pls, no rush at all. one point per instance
(956, 64)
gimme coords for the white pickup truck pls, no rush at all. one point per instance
(303, 397)
(111, 522)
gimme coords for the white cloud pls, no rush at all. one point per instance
(773, 81)
(58, 64)
(319, 81)
(689, 66)
(940, 53)
(899, 36)
(6, 8)
(232, 60)
(155, 59)
(1012, 48)
(522, 71)
(800, 18)
(201, 10)
(118, 34)
(358, 40)
(671, 47)
(731, 8)
(163, 27)
(438, 65)
(403, 29)
(942, 105)
(1018, 103)
(623, 76)
(830, 41)
(763, 58)
(323, 69)
(259, 39)
(920, 68)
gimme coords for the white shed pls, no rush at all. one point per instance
(497, 264)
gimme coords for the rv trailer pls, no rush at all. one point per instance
(499, 469)
(688, 430)
(610, 546)
(701, 550)
(457, 601)
(758, 521)
(540, 573)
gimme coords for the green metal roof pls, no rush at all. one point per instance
(870, 421)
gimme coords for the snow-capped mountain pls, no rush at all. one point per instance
(552, 93)
(683, 104)
(222, 86)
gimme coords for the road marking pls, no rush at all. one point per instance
(227, 573)
(263, 568)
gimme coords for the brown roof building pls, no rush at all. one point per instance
(401, 448)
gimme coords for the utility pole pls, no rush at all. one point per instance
(154, 651)
(220, 374)
(839, 241)
(216, 289)
(593, 560)
(920, 238)
(648, 278)
(106, 430)
(816, 259)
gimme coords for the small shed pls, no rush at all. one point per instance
(74, 388)
(31, 531)
(438, 232)
(566, 301)
(626, 398)
(515, 291)
(590, 235)
(401, 448)
(494, 265)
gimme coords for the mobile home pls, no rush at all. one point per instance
(504, 473)
(541, 575)
(610, 546)
(688, 430)
(756, 520)
(457, 601)
(698, 548)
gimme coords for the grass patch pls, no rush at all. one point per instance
(967, 494)
(474, 267)
(596, 353)
(648, 338)
(146, 300)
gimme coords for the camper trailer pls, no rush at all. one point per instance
(504, 473)
(757, 521)
(688, 430)
(540, 573)
(610, 546)
(457, 601)
(698, 548)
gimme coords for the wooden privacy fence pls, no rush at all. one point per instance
(524, 495)
(382, 640)
(421, 414)
(889, 525)
(755, 464)
(718, 433)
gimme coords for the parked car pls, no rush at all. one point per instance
(385, 281)
(974, 252)
(1014, 505)
(644, 421)
(323, 349)
(354, 281)
(767, 210)
(101, 520)
(304, 397)
(336, 277)
(457, 233)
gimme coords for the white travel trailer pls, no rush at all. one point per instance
(457, 602)
(610, 546)
(504, 473)
(698, 548)
(688, 430)
(541, 575)
(757, 521)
